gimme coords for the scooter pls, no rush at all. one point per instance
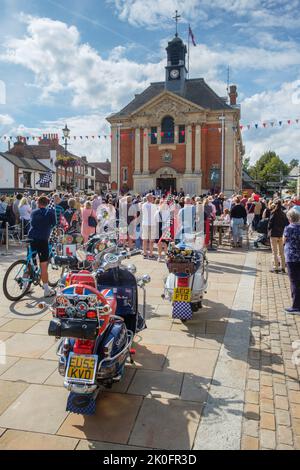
(188, 279)
(95, 316)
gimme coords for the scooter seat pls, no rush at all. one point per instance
(111, 299)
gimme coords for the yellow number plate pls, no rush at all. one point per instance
(82, 369)
(182, 294)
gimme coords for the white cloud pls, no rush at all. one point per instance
(6, 120)
(154, 15)
(61, 63)
(87, 125)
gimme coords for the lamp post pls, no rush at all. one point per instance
(222, 119)
(66, 133)
(119, 125)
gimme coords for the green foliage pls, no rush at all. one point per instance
(269, 167)
(293, 163)
(246, 164)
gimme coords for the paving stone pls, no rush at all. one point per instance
(285, 435)
(268, 439)
(249, 443)
(2, 431)
(117, 414)
(295, 410)
(150, 429)
(280, 389)
(39, 409)
(253, 385)
(5, 335)
(30, 371)
(252, 397)
(281, 403)
(157, 384)
(18, 326)
(150, 356)
(195, 388)
(267, 421)
(30, 346)
(168, 338)
(251, 427)
(6, 362)
(251, 411)
(9, 392)
(283, 417)
(41, 328)
(208, 342)
(20, 440)
(195, 361)
(296, 426)
(294, 397)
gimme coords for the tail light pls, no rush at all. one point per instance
(91, 314)
(84, 346)
(182, 282)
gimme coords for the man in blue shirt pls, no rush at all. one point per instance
(41, 223)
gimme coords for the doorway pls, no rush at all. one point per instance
(166, 184)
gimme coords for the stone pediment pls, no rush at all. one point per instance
(168, 104)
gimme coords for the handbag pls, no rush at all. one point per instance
(72, 328)
(92, 222)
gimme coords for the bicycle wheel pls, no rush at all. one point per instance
(17, 280)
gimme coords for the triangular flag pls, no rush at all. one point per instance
(248, 126)
(256, 125)
(289, 121)
(264, 124)
(272, 123)
(280, 122)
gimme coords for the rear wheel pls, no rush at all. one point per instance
(17, 280)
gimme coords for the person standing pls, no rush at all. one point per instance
(257, 214)
(238, 214)
(16, 207)
(291, 239)
(25, 213)
(149, 226)
(277, 223)
(87, 214)
(41, 223)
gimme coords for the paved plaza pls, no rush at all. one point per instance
(225, 380)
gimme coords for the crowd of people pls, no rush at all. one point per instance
(145, 220)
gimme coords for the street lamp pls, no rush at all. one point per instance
(66, 133)
(119, 125)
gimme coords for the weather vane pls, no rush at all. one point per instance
(176, 18)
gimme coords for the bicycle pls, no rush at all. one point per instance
(23, 273)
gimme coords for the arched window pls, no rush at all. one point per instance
(167, 129)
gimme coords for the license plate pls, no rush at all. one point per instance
(182, 294)
(82, 369)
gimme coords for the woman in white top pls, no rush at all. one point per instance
(25, 213)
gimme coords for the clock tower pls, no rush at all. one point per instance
(176, 71)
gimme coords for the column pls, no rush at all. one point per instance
(146, 152)
(188, 156)
(229, 164)
(114, 155)
(159, 135)
(137, 160)
(198, 149)
(176, 136)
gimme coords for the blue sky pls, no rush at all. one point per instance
(79, 61)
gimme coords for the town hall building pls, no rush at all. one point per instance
(171, 135)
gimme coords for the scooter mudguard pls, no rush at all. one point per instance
(182, 311)
(81, 404)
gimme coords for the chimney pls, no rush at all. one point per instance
(233, 95)
(18, 148)
(51, 140)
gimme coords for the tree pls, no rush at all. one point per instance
(246, 164)
(269, 167)
(293, 163)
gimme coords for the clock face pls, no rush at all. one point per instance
(174, 73)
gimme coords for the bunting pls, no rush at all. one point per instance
(272, 124)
